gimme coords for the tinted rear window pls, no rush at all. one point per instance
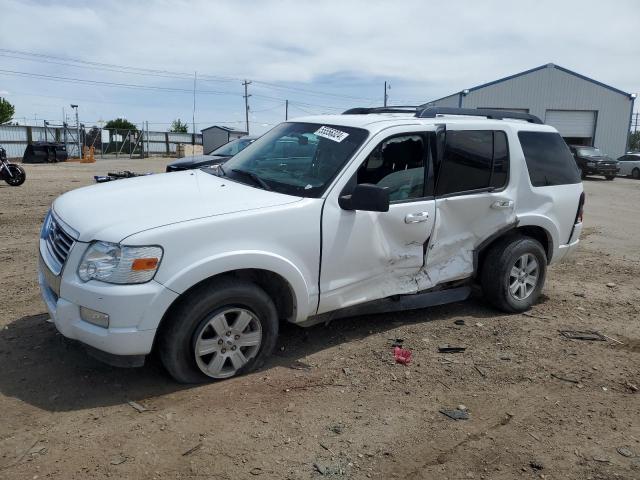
(473, 160)
(549, 159)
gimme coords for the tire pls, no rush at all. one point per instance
(190, 328)
(635, 173)
(502, 260)
(609, 177)
(18, 175)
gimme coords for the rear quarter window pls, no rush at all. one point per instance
(549, 160)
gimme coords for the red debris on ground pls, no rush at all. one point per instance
(402, 355)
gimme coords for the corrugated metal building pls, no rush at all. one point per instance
(585, 111)
(216, 136)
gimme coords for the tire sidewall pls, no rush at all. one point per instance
(200, 308)
(635, 173)
(516, 250)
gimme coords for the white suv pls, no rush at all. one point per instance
(374, 210)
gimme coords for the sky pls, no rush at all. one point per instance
(137, 59)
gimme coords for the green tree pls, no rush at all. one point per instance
(179, 127)
(6, 111)
(634, 142)
(120, 124)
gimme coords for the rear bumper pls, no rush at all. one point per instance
(565, 250)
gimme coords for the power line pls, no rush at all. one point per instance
(68, 61)
(111, 84)
(148, 87)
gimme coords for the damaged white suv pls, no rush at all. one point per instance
(322, 217)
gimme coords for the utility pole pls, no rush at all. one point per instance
(246, 103)
(386, 97)
(147, 138)
(286, 109)
(75, 107)
(193, 118)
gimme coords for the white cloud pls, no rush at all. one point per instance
(427, 49)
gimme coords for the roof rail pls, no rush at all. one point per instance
(432, 112)
(390, 109)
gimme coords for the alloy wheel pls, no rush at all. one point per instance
(227, 341)
(523, 277)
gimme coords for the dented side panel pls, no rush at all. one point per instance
(371, 255)
(462, 224)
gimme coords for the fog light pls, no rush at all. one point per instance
(96, 318)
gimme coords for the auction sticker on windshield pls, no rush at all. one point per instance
(331, 133)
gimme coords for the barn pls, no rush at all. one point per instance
(216, 136)
(585, 111)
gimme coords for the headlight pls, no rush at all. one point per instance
(113, 263)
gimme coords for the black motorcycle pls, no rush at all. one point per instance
(11, 173)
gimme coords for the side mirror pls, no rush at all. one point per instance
(366, 197)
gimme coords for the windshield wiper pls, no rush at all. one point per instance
(253, 177)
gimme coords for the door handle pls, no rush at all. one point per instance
(416, 217)
(503, 204)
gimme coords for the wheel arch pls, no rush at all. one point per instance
(542, 235)
(283, 281)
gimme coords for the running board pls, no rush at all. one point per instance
(395, 304)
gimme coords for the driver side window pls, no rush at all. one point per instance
(398, 164)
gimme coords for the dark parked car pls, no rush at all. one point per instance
(219, 155)
(592, 161)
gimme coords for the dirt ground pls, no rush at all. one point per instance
(332, 402)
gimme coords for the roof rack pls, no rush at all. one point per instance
(433, 112)
(391, 109)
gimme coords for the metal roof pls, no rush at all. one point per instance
(228, 129)
(526, 72)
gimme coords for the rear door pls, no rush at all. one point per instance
(473, 201)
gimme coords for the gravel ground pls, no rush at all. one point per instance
(332, 402)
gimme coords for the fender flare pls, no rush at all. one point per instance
(535, 220)
(302, 290)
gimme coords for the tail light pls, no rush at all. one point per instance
(580, 208)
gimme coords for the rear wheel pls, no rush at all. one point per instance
(224, 328)
(513, 273)
(635, 173)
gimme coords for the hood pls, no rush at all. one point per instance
(195, 160)
(114, 210)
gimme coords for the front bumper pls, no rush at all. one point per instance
(601, 170)
(134, 310)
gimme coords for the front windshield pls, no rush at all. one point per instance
(296, 158)
(232, 148)
(589, 152)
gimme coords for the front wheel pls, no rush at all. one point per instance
(222, 329)
(609, 177)
(513, 273)
(16, 175)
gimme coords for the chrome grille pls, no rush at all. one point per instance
(58, 243)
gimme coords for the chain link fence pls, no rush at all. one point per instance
(106, 143)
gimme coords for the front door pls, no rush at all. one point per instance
(372, 255)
